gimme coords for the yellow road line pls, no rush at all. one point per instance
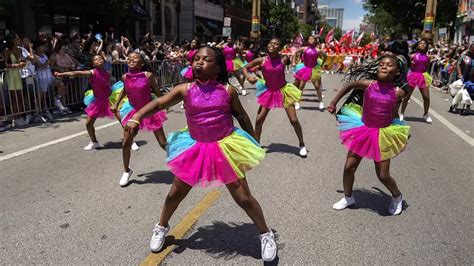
(180, 230)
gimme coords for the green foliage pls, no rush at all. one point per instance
(337, 33)
(282, 22)
(395, 18)
(305, 29)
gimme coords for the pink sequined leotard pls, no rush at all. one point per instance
(137, 87)
(208, 112)
(380, 101)
(100, 106)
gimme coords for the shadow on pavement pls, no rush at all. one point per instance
(415, 119)
(225, 241)
(118, 144)
(374, 200)
(282, 148)
(157, 177)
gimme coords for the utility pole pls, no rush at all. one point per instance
(430, 15)
(255, 32)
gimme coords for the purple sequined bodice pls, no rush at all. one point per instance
(138, 89)
(229, 52)
(190, 55)
(100, 83)
(273, 72)
(380, 101)
(419, 63)
(208, 112)
(310, 57)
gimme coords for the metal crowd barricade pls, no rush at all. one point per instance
(37, 92)
(17, 94)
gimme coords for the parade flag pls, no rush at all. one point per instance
(372, 36)
(346, 39)
(360, 38)
(329, 36)
(321, 31)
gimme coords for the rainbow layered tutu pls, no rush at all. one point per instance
(420, 80)
(304, 73)
(378, 144)
(234, 65)
(151, 123)
(97, 108)
(282, 98)
(214, 163)
(187, 72)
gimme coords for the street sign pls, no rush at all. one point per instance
(226, 31)
(227, 21)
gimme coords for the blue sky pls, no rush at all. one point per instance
(353, 12)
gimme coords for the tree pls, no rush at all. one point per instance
(304, 28)
(395, 18)
(337, 33)
(281, 21)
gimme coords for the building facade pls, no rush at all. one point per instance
(464, 25)
(333, 16)
(240, 14)
(132, 19)
(308, 15)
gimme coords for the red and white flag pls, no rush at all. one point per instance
(329, 36)
(346, 39)
(360, 38)
(321, 31)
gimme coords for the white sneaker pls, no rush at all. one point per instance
(297, 106)
(402, 117)
(303, 151)
(428, 119)
(244, 92)
(396, 205)
(158, 238)
(135, 146)
(269, 247)
(125, 176)
(92, 146)
(344, 203)
(321, 106)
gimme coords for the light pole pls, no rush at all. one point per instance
(430, 15)
(255, 32)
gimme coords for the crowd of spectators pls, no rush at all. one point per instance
(26, 65)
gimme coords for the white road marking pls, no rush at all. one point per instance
(56, 141)
(448, 124)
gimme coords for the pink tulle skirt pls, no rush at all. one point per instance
(271, 99)
(151, 123)
(420, 80)
(99, 108)
(363, 141)
(207, 162)
(303, 74)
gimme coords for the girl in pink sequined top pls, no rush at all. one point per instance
(210, 151)
(373, 130)
(418, 77)
(308, 69)
(98, 106)
(138, 87)
(274, 92)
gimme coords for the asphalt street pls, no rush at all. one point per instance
(63, 205)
